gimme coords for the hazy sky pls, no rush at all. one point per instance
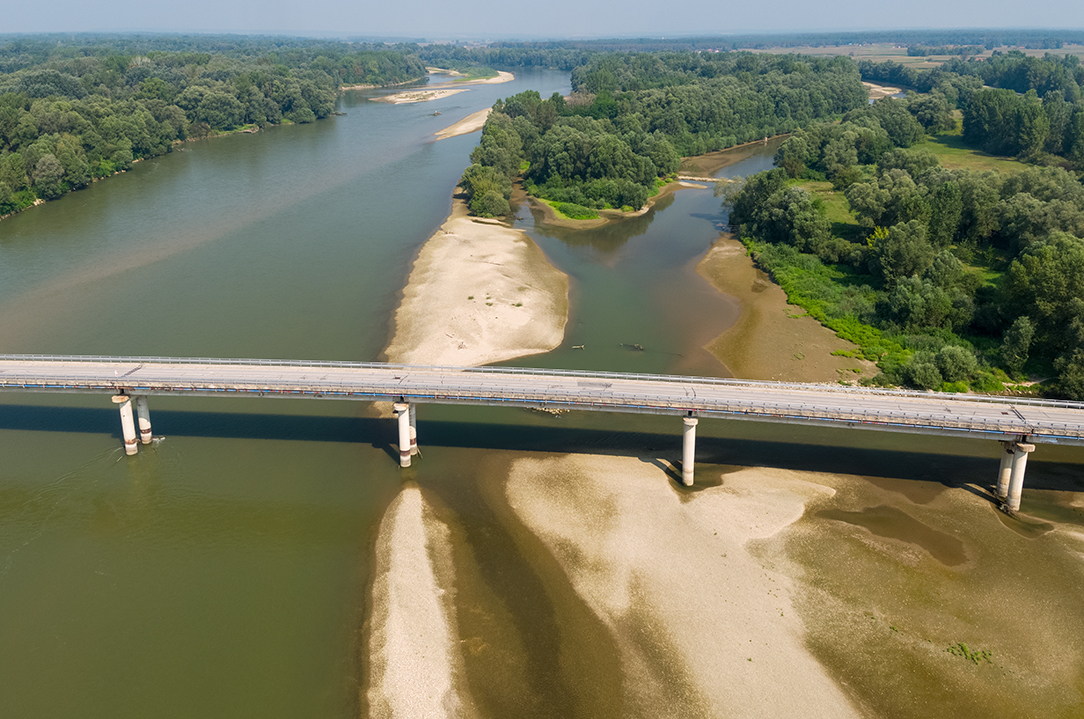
(519, 19)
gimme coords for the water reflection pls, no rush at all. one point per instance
(607, 239)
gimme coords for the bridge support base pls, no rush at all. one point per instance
(127, 423)
(143, 417)
(1004, 472)
(402, 413)
(1020, 453)
(688, 450)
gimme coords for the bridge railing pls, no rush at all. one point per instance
(582, 374)
(584, 398)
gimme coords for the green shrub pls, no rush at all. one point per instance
(574, 211)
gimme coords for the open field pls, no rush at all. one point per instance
(955, 155)
(881, 52)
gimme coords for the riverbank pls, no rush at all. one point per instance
(479, 292)
(772, 339)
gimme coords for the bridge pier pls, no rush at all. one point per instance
(402, 413)
(1020, 452)
(1004, 472)
(413, 428)
(688, 450)
(127, 423)
(143, 416)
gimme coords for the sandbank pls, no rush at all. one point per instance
(471, 123)
(413, 641)
(479, 292)
(409, 96)
(703, 624)
(502, 77)
(772, 339)
(876, 92)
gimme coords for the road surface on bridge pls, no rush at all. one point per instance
(1001, 418)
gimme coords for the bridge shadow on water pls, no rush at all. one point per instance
(949, 469)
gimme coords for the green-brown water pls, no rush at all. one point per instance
(224, 570)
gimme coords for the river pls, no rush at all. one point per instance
(224, 571)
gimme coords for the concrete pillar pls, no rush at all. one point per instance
(402, 412)
(1004, 471)
(143, 416)
(1016, 483)
(688, 450)
(127, 424)
(413, 428)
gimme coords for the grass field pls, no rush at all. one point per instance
(836, 209)
(955, 155)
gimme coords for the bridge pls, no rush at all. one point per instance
(1017, 423)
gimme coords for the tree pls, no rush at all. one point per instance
(932, 112)
(491, 204)
(1016, 343)
(955, 363)
(47, 176)
(904, 252)
(946, 209)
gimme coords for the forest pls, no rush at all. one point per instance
(947, 279)
(72, 112)
(632, 115)
(1032, 108)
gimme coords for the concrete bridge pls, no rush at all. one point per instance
(1018, 424)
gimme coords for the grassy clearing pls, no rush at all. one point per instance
(836, 209)
(955, 155)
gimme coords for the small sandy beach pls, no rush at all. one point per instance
(445, 90)
(502, 77)
(471, 123)
(876, 92)
(410, 96)
(479, 292)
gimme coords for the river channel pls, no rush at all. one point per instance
(225, 570)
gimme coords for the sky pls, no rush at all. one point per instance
(517, 19)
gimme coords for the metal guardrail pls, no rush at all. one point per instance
(583, 374)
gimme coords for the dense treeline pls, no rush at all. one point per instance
(633, 115)
(1052, 38)
(927, 50)
(73, 112)
(959, 276)
(1016, 71)
(1036, 110)
(502, 55)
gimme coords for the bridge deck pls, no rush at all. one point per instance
(899, 411)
